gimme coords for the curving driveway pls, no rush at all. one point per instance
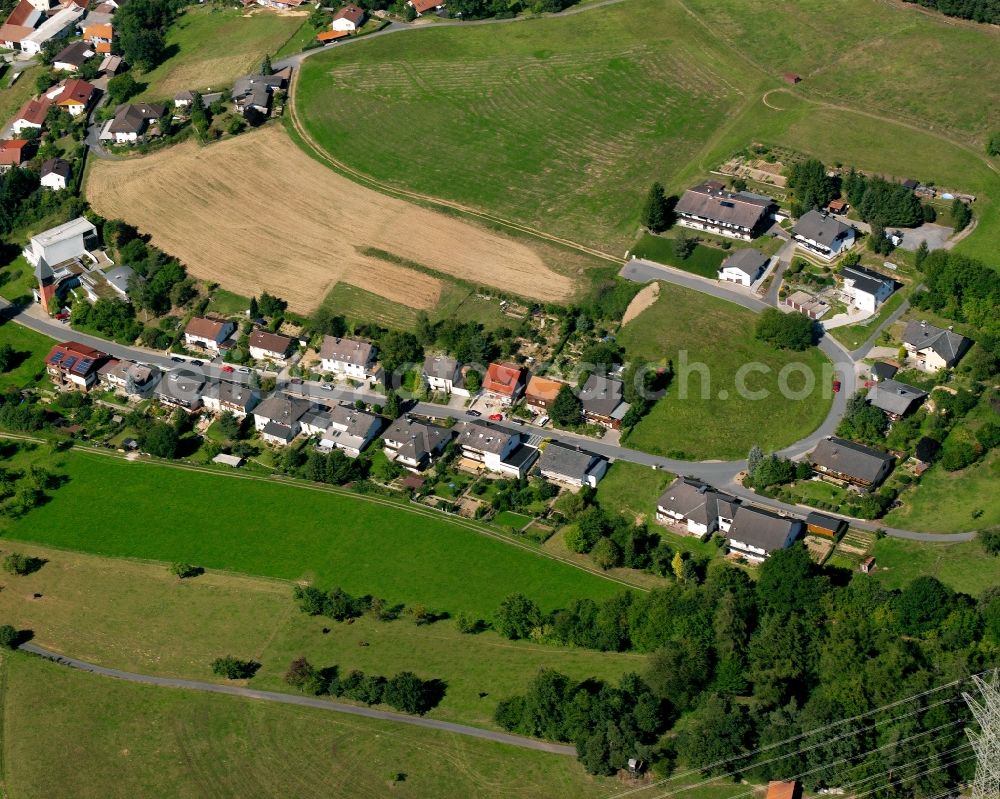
(301, 701)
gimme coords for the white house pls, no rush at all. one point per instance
(269, 346)
(495, 448)
(823, 235)
(697, 507)
(55, 26)
(278, 418)
(72, 57)
(414, 444)
(73, 239)
(933, 348)
(348, 19)
(137, 380)
(757, 533)
(866, 289)
(571, 465)
(224, 395)
(736, 215)
(444, 374)
(55, 174)
(347, 357)
(342, 427)
(744, 266)
(207, 333)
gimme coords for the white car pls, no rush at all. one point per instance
(541, 421)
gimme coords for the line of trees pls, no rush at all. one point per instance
(977, 10)
(960, 288)
(880, 201)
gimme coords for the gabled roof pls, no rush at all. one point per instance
(824, 522)
(602, 395)
(74, 91)
(99, 31)
(133, 117)
(894, 397)
(691, 499)
(567, 461)
(947, 344)
(420, 6)
(347, 350)
(783, 790)
(34, 110)
(75, 358)
(761, 528)
(884, 370)
(747, 260)
(503, 378)
(846, 457)
(484, 436)
(271, 342)
(56, 166)
(709, 202)
(418, 439)
(202, 327)
(230, 393)
(351, 13)
(282, 408)
(542, 388)
(330, 36)
(12, 151)
(14, 33)
(820, 227)
(866, 280)
(440, 366)
(74, 54)
(283, 432)
(24, 14)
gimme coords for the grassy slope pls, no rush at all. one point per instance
(685, 322)
(68, 733)
(158, 512)
(962, 566)
(665, 91)
(136, 616)
(200, 63)
(31, 349)
(13, 97)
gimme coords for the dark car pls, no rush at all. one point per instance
(175, 359)
(836, 386)
(475, 413)
(197, 363)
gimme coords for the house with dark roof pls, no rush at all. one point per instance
(883, 370)
(823, 235)
(136, 380)
(896, 399)
(267, 346)
(73, 366)
(489, 446)
(278, 417)
(572, 466)
(207, 333)
(348, 357)
(847, 462)
(348, 19)
(695, 508)
(73, 56)
(255, 92)
(225, 395)
(414, 444)
(865, 288)
(73, 95)
(737, 215)
(131, 123)
(821, 524)
(31, 115)
(932, 348)
(55, 174)
(757, 533)
(181, 388)
(444, 373)
(603, 402)
(744, 266)
(342, 427)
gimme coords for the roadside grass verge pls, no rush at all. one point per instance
(703, 261)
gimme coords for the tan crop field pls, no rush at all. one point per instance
(255, 213)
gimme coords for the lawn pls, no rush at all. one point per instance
(357, 305)
(136, 616)
(13, 97)
(510, 520)
(69, 733)
(293, 532)
(853, 336)
(632, 488)
(17, 279)
(30, 348)
(963, 566)
(704, 415)
(228, 303)
(198, 62)
(657, 91)
(952, 502)
(704, 261)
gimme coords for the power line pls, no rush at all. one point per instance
(986, 742)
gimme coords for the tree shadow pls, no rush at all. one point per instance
(433, 693)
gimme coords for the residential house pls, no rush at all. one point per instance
(111, 65)
(255, 92)
(100, 36)
(571, 465)
(443, 373)
(55, 26)
(181, 388)
(777, 789)
(72, 57)
(31, 115)
(883, 370)
(504, 382)
(207, 333)
(114, 283)
(821, 524)
(933, 348)
(72, 95)
(865, 288)
(744, 266)
(823, 235)
(55, 174)
(270, 346)
(14, 152)
(278, 418)
(342, 427)
(414, 444)
(494, 448)
(70, 240)
(348, 357)
(224, 395)
(895, 398)
(757, 533)
(326, 37)
(691, 503)
(603, 403)
(348, 19)
(541, 393)
(421, 7)
(135, 380)
(709, 207)
(185, 98)
(73, 366)
(131, 123)
(20, 23)
(847, 462)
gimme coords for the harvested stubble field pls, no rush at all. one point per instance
(236, 213)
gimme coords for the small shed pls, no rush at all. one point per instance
(884, 370)
(791, 78)
(838, 206)
(228, 460)
(412, 482)
(867, 565)
(827, 526)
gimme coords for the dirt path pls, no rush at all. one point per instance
(641, 301)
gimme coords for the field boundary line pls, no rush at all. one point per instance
(3, 725)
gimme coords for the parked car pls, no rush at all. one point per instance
(326, 387)
(227, 368)
(243, 370)
(542, 421)
(296, 381)
(197, 363)
(476, 414)
(175, 359)
(836, 386)
(496, 417)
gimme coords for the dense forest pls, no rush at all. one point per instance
(735, 665)
(976, 10)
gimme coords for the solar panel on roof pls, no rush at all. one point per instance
(57, 357)
(84, 365)
(69, 361)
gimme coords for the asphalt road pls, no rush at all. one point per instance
(302, 701)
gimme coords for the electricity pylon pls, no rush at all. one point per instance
(986, 742)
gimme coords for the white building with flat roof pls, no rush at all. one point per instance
(73, 239)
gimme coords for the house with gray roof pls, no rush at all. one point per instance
(744, 266)
(736, 215)
(757, 533)
(444, 373)
(278, 417)
(602, 400)
(847, 462)
(414, 444)
(225, 395)
(342, 427)
(489, 446)
(181, 388)
(136, 380)
(823, 235)
(895, 398)
(571, 465)
(348, 357)
(865, 288)
(883, 370)
(695, 507)
(256, 91)
(131, 122)
(933, 348)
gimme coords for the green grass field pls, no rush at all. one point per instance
(31, 349)
(704, 261)
(199, 62)
(293, 533)
(136, 616)
(68, 733)
(962, 566)
(853, 336)
(632, 488)
(712, 420)
(664, 91)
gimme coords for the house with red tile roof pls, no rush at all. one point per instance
(99, 36)
(74, 366)
(423, 6)
(74, 95)
(504, 382)
(349, 18)
(13, 152)
(331, 36)
(32, 114)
